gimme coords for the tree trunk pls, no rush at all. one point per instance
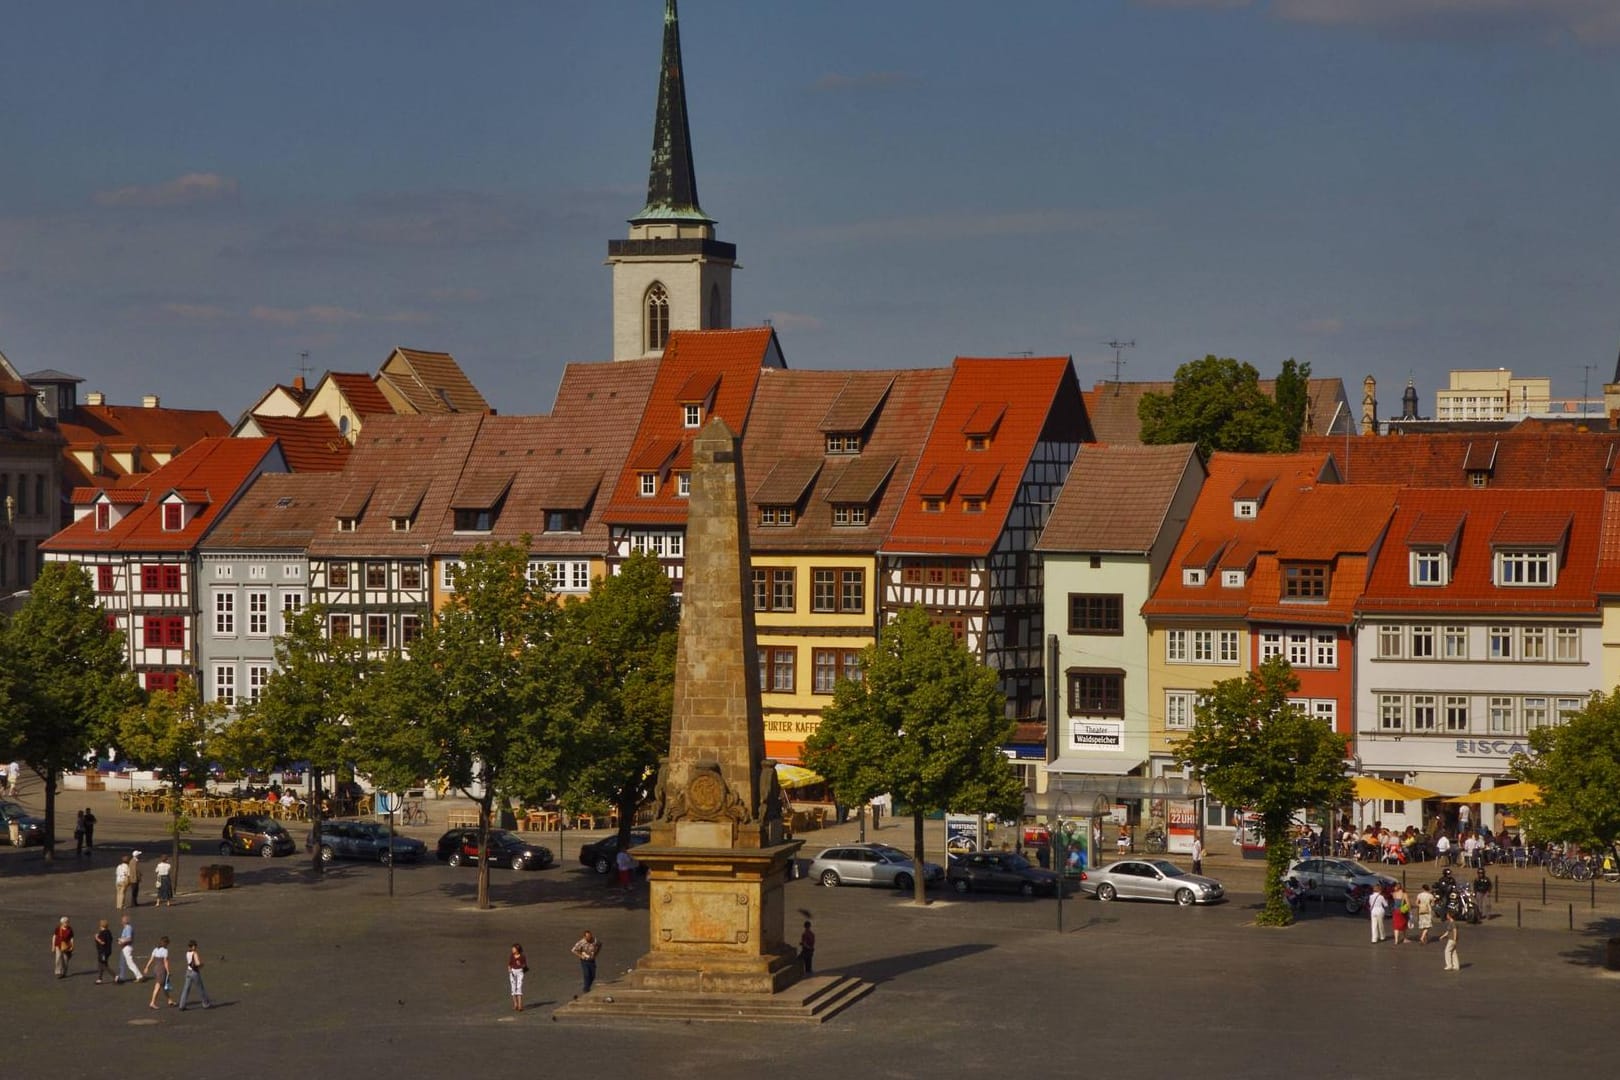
(49, 776)
(177, 786)
(627, 814)
(919, 887)
(485, 804)
(316, 816)
(1279, 853)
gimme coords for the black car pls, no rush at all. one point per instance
(255, 834)
(365, 840)
(459, 847)
(602, 855)
(30, 829)
(1003, 871)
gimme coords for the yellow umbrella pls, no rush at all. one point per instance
(1513, 794)
(794, 776)
(1373, 787)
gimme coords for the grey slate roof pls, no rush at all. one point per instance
(1116, 498)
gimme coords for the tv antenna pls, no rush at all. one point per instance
(1119, 360)
(303, 364)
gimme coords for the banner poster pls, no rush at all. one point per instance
(1183, 826)
(961, 833)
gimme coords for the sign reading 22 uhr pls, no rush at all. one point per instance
(1097, 735)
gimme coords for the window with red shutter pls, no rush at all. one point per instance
(104, 579)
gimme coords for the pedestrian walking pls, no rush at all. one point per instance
(78, 834)
(89, 830)
(13, 778)
(160, 960)
(104, 948)
(135, 879)
(586, 949)
(126, 953)
(1482, 892)
(164, 872)
(626, 866)
(1425, 913)
(194, 966)
(1452, 963)
(1400, 911)
(121, 882)
(1377, 908)
(807, 949)
(1198, 854)
(517, 966)
(62, 947)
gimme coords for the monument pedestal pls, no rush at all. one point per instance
(716, 919)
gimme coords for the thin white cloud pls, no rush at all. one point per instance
(1589, 22)
(196, 312)
(188, 190)
(794, 321)
(314, 315)
(979, 226)
(410, 220)
(1324, 327)
(837, 81)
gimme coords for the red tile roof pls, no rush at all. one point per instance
(727, 361)
(1517, 514)
(1526, 457)
(361, 392)
(219, 467)
(281, 511)
(1025, 400)
(1608, 571)
(432, 382)
(310, 443)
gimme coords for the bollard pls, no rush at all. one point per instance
(1518, 914)
(1572, 916)
(1543, 892)
(1594, 891)
(1403, 879)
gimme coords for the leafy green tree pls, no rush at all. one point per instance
(1254, 749)
(926, 722)
(170, 734)
(616, 658)
(1577, 767)
(470, 700)
(1217, 403)
(303, 710)
(1293, 397)
(69, 681)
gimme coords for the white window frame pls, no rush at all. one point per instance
(258, 613)
(1566, 644)
(1192, 576)
(1456, 714)
(225, 684)
(1533, 643)
(1299, 650)
(1521, 569)
(1391, 641)
(292, 603)
(1325, 710)
(1430, 569)
(292, 570)
(648, 482)
(1180, 709)
(683, 485)
(1454, 642)
(1501, 714)
(1232, 579)
(258, 676)
(1175, 647)
(224, 613)
(1536, 711)
(1229, 647)
(1422, 643)
(1499, 642)
(1425, 713)
(691, 416)
(1325, 650)
(1391, 712)
(447, 574)
(1271, 645)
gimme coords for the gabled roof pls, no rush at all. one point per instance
(1117, 498)
(154, 430)
(221, 467)
(280, 512)
(895, 409)
(309, 443)
(1023, 400)
(787, 482)
(1112, 407)
(1491, 517)
(734, 360)
(360, 390)
(1528, 456)
(429, 382)
(1212, 528)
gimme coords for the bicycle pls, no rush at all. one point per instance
(413, 813)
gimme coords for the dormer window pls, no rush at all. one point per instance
(683, 485)
(1245, 508)
(476, 520)
(1525, 568)
(1305, 581)
(692, 416)
(775, 516)
(844, 443)
(400, 524)
(1431, 568)
(1247, 499)
(1233, 579)
(978, 442)
(972, 506)
(848, 515)
(1479, 478)
(348, 524)
(648, 484)
(1192, 575)
(933, 506)
(103, 516)
(564, 520)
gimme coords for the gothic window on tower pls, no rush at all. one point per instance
(657, 318)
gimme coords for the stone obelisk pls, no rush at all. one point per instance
(717, 862)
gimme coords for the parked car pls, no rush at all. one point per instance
(1150, 879)
(30, 829)
(871, 864)
(600, 855)
(365, 840)
(1003, 871)
(255, 834)
(459, 847)
(1337, 879)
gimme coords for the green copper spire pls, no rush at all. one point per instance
(671, 182)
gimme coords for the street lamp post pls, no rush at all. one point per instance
(1060, 801)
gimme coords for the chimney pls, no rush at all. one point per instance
(95, 397)
(298, 384)
(149, 401)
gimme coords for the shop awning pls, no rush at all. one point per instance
(1446, 783)
(1513, 794)
(797, 776)
(1373, 787)
(1109, 766)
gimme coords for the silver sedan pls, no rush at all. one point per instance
(1150, 879)
(870, 864)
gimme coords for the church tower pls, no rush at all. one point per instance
(671, 274)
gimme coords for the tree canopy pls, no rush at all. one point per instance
(1577, 767)
(1217, 403)
(172, 734)
(1256, 751)
(926, 722)
(68, 682)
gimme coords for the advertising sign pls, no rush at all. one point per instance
(961, 833)
(1183, 826)
(1096, 735)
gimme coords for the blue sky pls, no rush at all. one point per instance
(194, 193)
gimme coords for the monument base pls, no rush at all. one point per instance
(716, 920)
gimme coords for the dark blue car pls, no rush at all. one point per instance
(365, 840)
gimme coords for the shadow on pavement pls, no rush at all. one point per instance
(1593, 951)
(889, 967)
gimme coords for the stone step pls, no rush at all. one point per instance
(809, 1001)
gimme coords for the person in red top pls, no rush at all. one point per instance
(517, 966)
(62, 947)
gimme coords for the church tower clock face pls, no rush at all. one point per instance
(670, 273)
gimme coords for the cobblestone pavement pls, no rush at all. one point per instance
(333, 975)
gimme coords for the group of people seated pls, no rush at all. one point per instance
(1471, 848)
